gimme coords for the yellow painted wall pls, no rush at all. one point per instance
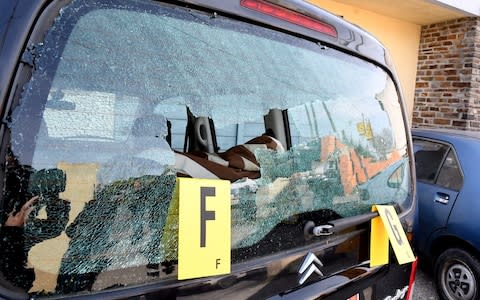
(399, 37)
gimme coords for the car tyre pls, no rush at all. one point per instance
(457, 275)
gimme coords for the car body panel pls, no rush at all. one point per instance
(17, 19)
(434, 213)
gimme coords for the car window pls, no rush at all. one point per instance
(428, 158)
(450, 175)
(126, 98)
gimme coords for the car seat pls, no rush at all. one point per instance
(235, 163)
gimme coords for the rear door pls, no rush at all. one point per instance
(95, 123)
(439, 178)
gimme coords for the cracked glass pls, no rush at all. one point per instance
(125, 98)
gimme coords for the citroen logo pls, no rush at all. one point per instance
(310, 265)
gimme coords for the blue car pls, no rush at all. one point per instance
(446, 231)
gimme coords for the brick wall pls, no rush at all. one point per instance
(447, 92)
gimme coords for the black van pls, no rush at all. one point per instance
(117, 113)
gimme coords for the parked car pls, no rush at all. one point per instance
(446, 231)
(157, 132)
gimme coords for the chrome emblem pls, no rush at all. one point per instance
(310, 265)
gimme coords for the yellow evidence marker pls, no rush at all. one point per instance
(204, 227)
(387, 227)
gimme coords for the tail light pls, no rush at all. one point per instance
(289, 16)
(411, 282)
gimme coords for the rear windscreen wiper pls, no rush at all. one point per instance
(337, 225)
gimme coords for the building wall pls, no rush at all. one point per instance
(448, 77)
(399, 37)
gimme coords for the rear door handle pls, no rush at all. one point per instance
(441, 198)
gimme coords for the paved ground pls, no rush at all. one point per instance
(424, 288)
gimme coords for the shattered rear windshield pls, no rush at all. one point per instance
(126, 98)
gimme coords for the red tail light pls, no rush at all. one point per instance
(289, 16)
(411, 283)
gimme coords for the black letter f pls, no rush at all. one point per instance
(204, 213)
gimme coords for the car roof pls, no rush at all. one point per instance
(450, 135)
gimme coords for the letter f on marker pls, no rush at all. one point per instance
(205, 214)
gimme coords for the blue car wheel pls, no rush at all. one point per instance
(457, 274)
